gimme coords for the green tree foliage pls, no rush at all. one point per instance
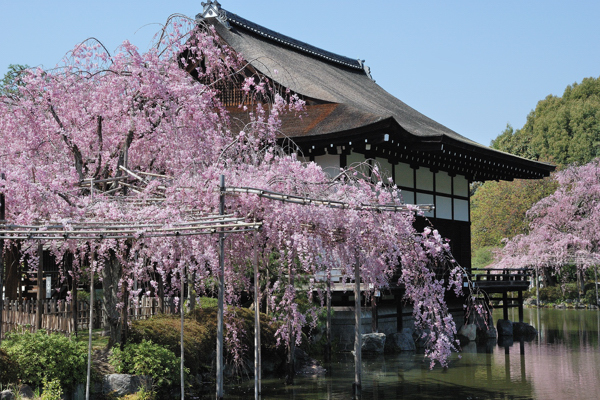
(482, 257)
(562, 130)
(11, 81)
(498, 209)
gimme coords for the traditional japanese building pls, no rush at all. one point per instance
(349, 118)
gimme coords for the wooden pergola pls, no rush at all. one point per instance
(221, 224)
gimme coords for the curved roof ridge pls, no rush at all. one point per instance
(293, 43)
(226, 17)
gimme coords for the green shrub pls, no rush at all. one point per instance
(165, 330)
(550, 294)
(8, 369)
(531, 293)
(590, 287)
(570, 291)
(149, 359)
(51, 356)
(590, 297)
(52, 390)
(200, 335)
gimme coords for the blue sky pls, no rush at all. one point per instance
(473, 66)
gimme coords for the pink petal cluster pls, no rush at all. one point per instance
(563, 227)
(160, 112)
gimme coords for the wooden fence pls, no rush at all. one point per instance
(57, 316)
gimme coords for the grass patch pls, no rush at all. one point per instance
(98, 341)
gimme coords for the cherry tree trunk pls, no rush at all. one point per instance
(12, 272)
(111, 321)
(40, 291)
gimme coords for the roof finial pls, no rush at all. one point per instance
(366, 69)
(212, 9)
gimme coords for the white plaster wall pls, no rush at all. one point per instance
(408, 196)
(461, 210)
(404, 175)
(443, 207)
(424, 179)
(443, 183)
(424, 198)
(330, 164)
(461, 186)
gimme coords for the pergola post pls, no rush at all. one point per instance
(221, 291)
(181, 310)
(2, 218)
(90, 328)
(257, 351)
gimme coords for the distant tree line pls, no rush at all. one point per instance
(561, 130)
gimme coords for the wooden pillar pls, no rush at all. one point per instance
(505, 305)
(537, 285)
(374, 315)
(399, 321)
(38, 315)
(596, 283)
(522, 347)
(520, 299)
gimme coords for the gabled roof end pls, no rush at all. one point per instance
(212, 9)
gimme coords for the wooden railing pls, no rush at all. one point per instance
(500, 278)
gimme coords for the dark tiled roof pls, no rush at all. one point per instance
(291, 42)
(349, 102)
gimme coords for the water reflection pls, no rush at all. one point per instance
(561, 363)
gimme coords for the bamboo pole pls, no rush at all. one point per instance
(181, 308)
(2, 218)
(90, 327)
(257, 351)
(328, 203)
(221, 290)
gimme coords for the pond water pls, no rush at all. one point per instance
(563, 362)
